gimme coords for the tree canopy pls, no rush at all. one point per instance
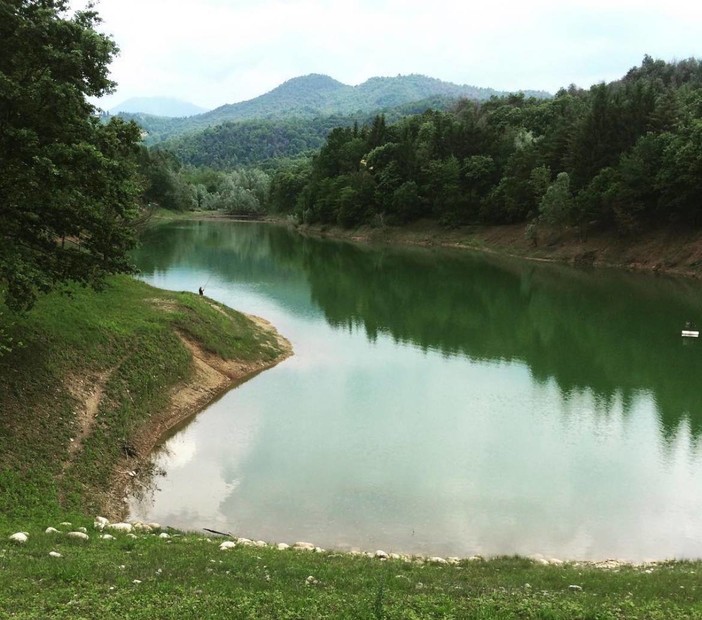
(68, 185)
(623, 156)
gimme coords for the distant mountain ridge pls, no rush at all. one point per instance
(315, 95)
(158, 106)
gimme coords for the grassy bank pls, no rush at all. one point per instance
(185, 576)
(86, 377)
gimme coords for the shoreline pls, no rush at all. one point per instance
(211, 379)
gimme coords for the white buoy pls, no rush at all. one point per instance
(690, 333)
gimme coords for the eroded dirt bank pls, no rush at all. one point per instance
(212, 377)
(674, 250)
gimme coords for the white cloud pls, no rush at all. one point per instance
(222, 51)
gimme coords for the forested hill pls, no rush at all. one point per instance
(623, 156)
(314, 95)
(233, 144)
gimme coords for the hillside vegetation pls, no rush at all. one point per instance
(314, 96)
(623, 156)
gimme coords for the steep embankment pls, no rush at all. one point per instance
(95, 380)
(673, 250)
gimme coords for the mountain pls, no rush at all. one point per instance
(158, 106)
(312, 96)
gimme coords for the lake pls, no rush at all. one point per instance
(439, 402)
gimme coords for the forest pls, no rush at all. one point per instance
(619, 156)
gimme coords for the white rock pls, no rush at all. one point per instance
(136, 581)
(574, 588)
(78, 536)
(381, 555)
(555, 562)
(154, 526)
(311, 581)
(260, 543)
(164, 535)
(227, 544)
(245, 542)
(51, 530)
(100, 523)
(107, 537)
(133, 536)
(82, 529)
(453, 560)
(66, 524)
(55, 554)
(141, 527)
(303, 546)
(120, 527)
(282, 546)
(394, 556)
(437, 560)
(318, 550)
(20, 538)
(475, 558)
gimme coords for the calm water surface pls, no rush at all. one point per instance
(439, 402)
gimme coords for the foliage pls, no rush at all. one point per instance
(623, 155)
(67, 189)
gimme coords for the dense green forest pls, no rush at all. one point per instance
(256, 142)
(621, 155)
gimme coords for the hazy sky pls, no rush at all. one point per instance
(213, 52)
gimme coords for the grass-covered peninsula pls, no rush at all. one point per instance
(90, 384)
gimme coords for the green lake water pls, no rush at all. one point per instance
(439, 402)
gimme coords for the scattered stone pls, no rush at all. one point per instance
(574, 588)
(303, 546)
(311, 581)
(107, 537)
(100, 523)
(19, 538)
(141, 527)
(82, 529)
(555, 562)
(120, 527)
(227, 544)
(55, 554)
(164, 535)
(51, 530)
(395, 556)
(318, 550)
(260, 543)
(453, 560)
(282, 546)
(381, 555)
(132, 536)
(78, 536)
(66, 524)
(436, 560)
(419, 585)
(136, 581)
(154, 526)
(245, 542)
(475, 558)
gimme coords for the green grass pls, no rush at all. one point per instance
(187, 576)
(131, 330)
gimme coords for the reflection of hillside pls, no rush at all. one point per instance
(609, 332)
